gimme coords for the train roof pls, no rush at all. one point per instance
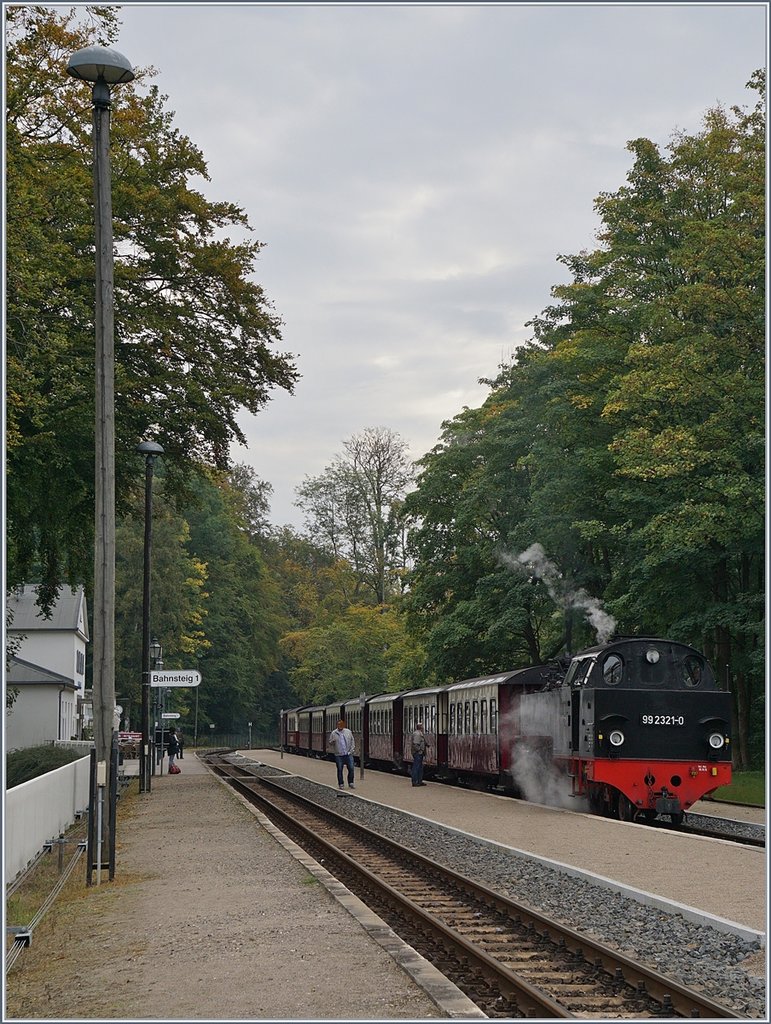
(424, 691)
(383, 698)
(520, 674)
(625, 641)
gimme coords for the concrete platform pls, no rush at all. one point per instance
(710, 879)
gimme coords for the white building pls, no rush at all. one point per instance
(49, 667)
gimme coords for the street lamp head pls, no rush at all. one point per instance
(95, 62)
(151, 448)
(156, 650)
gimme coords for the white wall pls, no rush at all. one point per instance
(57, 650)
(40, 809)
(36, 717)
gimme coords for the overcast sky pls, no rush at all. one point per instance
(414, 171)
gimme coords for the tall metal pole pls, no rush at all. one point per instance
(104, 522)
(150, 449)
(103, 67)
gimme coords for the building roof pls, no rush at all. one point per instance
(24, 673)
(68, 612)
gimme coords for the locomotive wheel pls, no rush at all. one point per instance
(596, 803)
(626, 809)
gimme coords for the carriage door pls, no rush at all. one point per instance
(442, 724)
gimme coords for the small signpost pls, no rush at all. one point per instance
(176, 677)
(171, 714)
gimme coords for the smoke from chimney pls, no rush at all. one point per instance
(534, 560)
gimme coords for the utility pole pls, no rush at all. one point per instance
(103, 67)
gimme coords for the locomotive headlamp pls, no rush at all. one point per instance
(652, 656)
(616, 738)
(716, 741)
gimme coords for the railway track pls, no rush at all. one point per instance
(509, 959)
(746, 833)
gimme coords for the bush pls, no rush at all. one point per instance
(23, 765)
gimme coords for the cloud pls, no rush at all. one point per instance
(414, 171)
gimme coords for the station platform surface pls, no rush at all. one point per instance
(215, 915)
(713, 877)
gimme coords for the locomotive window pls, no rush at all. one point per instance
(692, 670)
(475, 717)
(578, 671)
(493, 717)
(484, 728)
(613, 669)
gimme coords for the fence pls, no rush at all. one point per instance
(39, 810)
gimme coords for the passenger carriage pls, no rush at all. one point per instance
(312, 740)
(481, 718)
(290, 730)
(385, 730)
(428, 706)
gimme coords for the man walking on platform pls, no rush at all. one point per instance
(342, 742)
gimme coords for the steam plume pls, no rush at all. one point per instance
(534, 559)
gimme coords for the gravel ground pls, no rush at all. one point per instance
(696, 955)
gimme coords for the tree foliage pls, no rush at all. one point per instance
(354, 510)
(194, 332)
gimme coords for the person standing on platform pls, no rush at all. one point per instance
(181, 742)
(172, 749)
(342, 742)
(418, 744)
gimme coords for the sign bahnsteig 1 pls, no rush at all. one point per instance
(176, 677)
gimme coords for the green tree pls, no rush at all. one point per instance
(195, 334)
(364, 650)
(178, 599)
(245, 614)
(354, 509)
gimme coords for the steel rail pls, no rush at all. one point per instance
(664, 990)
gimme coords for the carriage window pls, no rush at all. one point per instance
(433, 718)
(467, 717)
(493, 717)
(692, 670)
(452, 719)
(612, 669)
(475, 717)
(483, 727)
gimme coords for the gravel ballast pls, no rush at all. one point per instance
(698, 955)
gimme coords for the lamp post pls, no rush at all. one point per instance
(151, 450)
(103, 67)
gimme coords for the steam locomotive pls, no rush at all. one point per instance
(634, 729)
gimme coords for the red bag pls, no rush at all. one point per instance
(175, 770)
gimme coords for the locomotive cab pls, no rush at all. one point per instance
(649, 728)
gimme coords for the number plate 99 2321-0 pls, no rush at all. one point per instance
(662, 719)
